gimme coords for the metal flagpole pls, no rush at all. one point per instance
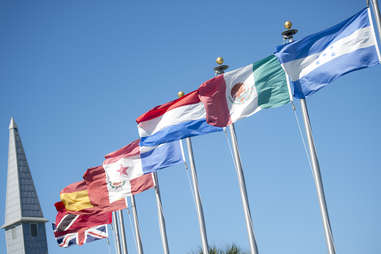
(136, 225)
(200, 212)
(163, 230)
(288, 36)
(122, 232)
(116, 231)
(376, 11)
(317, 178)
(241, 178)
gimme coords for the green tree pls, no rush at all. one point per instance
(233, 249)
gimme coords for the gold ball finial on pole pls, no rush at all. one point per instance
(180, 94)
(221, 67)
(287, 24)
(220, 60)
(288, 35)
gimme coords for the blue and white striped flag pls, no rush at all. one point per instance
(314, 61)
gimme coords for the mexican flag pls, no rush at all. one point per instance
(242, 92)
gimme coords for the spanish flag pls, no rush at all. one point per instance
(97, 193)
(75, 197)
(78, 198)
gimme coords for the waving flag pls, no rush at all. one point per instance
(78, 229)
(126, 171)
(318, 59)
(81, 237)
(135, 160)
(75, 197)
(181, 118)
(82, 198)
(104, 189)
(242, 92)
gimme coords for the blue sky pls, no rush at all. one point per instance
(76, 74)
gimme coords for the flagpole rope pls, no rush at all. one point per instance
(326, 225)
(230, 145)
(187, 172)
(160, 206)
(114, 235)
(183, 154)
(108, 241)
(132, 226)
(302, 137)
(156, 189)
(140, 231)
(113, 231)
(307, 155)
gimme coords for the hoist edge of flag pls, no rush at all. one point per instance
(157, 111)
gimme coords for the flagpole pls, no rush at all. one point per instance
(317, 178)
(241, 178)
(200, 212)
(288, 36)
(376, 11)
(122, 232)
(136, 225)
(116, 232)
(163, 231)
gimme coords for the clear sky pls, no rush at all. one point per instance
(76, 74)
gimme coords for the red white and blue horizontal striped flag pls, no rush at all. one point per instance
(181, 118)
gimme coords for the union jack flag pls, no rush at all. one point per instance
(78, 229)
(81, 237)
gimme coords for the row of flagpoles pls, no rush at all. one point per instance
(116, 173)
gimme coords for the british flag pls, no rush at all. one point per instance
(81, 237)
(78, 229)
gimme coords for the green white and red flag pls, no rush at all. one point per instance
(244, 91)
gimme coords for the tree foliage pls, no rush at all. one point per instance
(233, 249)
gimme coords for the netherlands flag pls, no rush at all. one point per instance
(181, 118)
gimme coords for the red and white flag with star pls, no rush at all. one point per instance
(134, 160)
(99, 183)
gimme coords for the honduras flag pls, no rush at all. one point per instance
(314, 61)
